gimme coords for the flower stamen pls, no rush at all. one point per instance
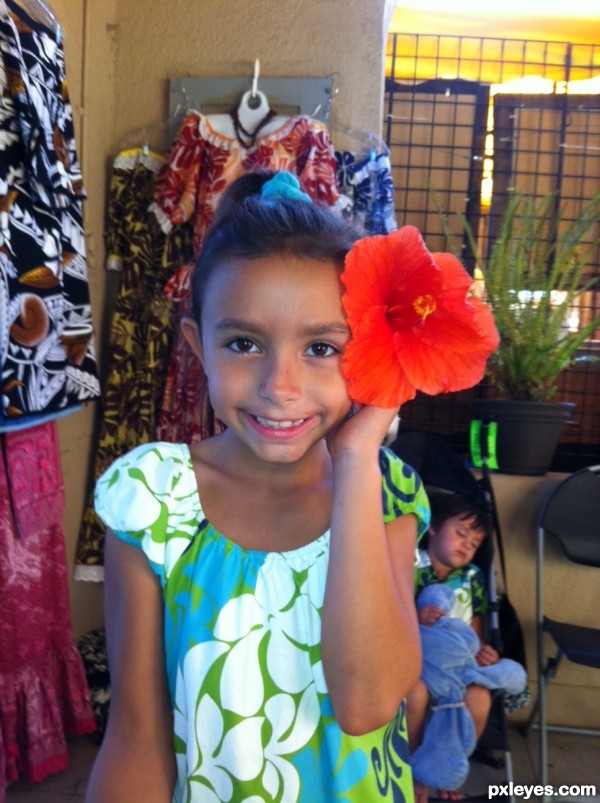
(424, 305)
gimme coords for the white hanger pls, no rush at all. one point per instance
(254, 105)
(251, 118)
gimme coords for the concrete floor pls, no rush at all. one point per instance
(574, 760)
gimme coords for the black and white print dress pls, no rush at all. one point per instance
(47, 353)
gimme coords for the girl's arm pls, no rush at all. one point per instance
(370, 639)
(136, 760)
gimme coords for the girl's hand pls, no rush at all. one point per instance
(362, 431)
(429, 614)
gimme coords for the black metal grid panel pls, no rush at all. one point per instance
(448, 128)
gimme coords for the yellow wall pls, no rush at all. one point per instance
(119, 59)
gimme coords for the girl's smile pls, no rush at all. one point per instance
(279, 429)
(273, 333)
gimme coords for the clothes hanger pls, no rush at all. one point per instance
(253, 111)
(371, 144)
(150, 139)
(142, 137)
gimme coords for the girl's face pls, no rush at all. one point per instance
(453, 544)
(272, 336)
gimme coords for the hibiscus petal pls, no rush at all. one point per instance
(456, 282)
(443, 368)
(371, 367)
(289, 777)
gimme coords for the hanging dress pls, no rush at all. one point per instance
(47, 354)
(43, 688)
(141, 332)
(48, 370)
(199, 167)
(368, 186)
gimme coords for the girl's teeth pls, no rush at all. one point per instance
(267, 422)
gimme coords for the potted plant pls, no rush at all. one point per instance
(533, 276)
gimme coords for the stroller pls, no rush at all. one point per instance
(443, 471)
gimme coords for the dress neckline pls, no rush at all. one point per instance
(209, 133)
(319, 542)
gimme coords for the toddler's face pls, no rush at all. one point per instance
(273, 335)
(455, 542)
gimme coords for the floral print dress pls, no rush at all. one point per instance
(199, 167)
(367, 186)
(252, 715)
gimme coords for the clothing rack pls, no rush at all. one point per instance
(288, 96)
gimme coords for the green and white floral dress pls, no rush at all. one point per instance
(252, 716)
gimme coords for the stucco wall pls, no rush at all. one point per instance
(292, 39)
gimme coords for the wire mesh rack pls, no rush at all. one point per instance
(467, 121)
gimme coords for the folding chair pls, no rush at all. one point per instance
(570, 514)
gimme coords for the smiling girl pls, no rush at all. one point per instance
(259, 585)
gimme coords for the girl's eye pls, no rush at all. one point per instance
(242, 345)
(322, 350)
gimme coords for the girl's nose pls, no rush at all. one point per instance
(281, 379)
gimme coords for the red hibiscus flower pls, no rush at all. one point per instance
(413, 324)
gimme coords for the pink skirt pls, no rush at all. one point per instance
(43, 688)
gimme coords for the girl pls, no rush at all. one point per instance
(260, 617)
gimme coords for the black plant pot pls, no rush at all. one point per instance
(528, 432)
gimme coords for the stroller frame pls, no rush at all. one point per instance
(443, 471)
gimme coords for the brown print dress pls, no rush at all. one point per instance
(141, 331)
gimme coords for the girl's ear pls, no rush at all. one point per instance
(191, 332)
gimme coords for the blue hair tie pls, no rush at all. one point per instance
(284, 185)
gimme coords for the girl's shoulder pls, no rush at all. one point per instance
(403, 490)
(148, 492)
(152, 460)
